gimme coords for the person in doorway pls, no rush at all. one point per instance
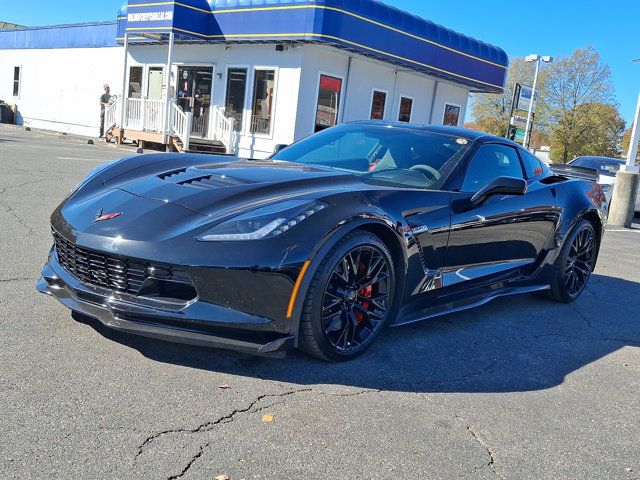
(105, 98)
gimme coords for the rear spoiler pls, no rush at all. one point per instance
(570, 171)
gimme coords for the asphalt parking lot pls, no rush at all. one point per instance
(521, 388)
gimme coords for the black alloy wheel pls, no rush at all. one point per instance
(350, 298)
(579, 263)
(575, 263)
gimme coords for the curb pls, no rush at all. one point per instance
(68, 137)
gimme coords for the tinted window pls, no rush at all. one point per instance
(395, 156)
(489, 163)
(532, 165)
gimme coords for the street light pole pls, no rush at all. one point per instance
(533, 58)
(525, 143)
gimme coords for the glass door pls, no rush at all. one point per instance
(194, 95)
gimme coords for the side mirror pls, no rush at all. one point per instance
(279, 148)
(500, 186)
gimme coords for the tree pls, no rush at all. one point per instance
(578, 89)
(491, 111)
(588, 129)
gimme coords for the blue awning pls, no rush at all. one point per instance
(367, 27)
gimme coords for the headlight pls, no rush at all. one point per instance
(265, 222)
(606, 187)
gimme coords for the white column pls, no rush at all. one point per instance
(167, 113)
(633, 145)
(123, 96)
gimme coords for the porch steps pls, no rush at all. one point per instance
(200, 145)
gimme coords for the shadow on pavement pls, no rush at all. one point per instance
(510, 345)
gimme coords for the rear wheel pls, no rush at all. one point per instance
(575, 263)
(349, 299)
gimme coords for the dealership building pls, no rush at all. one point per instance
(243, 75)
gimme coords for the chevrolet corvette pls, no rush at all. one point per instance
(362, 225)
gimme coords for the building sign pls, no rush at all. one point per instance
(519, 122)
(522, 98)
(150, 16)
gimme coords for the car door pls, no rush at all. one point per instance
(503, 234)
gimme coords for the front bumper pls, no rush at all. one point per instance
(196, 323)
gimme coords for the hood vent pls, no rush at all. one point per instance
(195, 177)
(213, 181)
(172, 175)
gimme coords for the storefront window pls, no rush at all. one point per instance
(328, 102)
(236, 92)
(377, 105)
(16, 81)
(135, 82)
(451, 115)
(264, 87)
(406, 106)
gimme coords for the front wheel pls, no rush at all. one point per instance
(349, 299)
(574, 264)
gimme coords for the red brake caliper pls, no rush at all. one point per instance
(365, 292)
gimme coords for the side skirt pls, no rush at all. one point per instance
(466, 303)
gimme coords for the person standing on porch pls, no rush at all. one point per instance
(104, 102)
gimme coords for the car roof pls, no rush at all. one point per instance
(474, 135)
(592, 157)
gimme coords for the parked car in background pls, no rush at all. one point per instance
(607, 169)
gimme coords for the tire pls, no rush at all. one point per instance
(349, 299)
(574, 265)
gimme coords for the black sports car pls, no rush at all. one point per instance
(320, 246)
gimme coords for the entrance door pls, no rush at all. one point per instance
(154, 83)
(194, 95)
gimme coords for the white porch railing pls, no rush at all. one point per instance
(222, 128)
(144, 114)
(153, 115)
(133, 113)
(181, 124)
(111, 115)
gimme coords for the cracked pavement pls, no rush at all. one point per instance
(521, 388)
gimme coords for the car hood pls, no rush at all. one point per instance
(227, 188)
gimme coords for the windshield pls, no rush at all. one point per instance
(381, 154)
(605, 166)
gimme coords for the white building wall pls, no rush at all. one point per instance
(453, 95)
(365, 76)
(60, 88)
(287, 67)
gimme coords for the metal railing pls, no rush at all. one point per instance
(222, 128)
(181, 123)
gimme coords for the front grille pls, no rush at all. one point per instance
(120, 274)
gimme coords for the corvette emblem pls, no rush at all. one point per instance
(108, 216)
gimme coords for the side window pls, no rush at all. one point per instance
(532, 165)
(489, 163)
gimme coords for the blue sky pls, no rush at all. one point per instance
(552, 27)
